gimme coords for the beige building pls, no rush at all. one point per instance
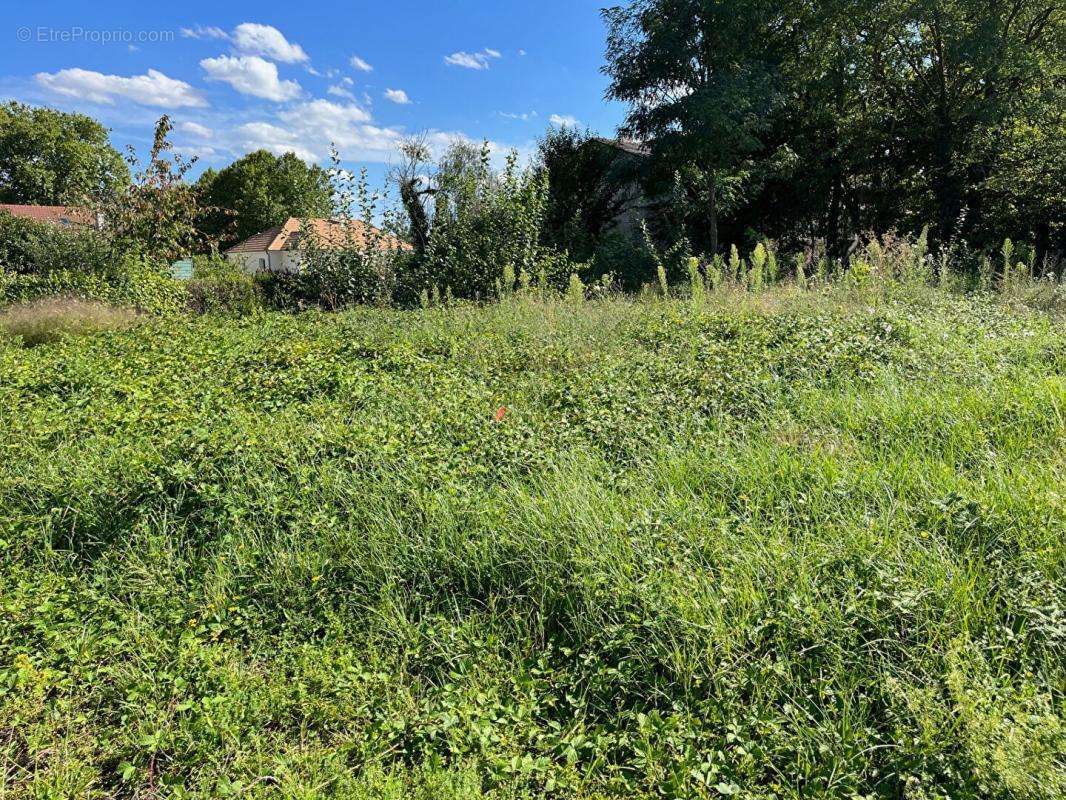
(279, 249)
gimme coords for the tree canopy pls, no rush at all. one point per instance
(895, 114)
(49, 157)
(260, 191)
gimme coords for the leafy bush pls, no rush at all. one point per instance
(134, 283)
(31, 247)
(46, 320)
(220, 286)
(41, 260)
(484, 225)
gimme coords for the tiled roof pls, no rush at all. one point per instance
(630, 146)
(327, 232)
(57, 215)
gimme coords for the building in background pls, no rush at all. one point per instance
(278, 249)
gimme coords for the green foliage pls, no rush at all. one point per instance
(351, 260)
(260, 191)
(801, 270)
(28, 246)
(695, 279)
(483, 222)
(700, 81)
(39, 261)
(575, 290)
(220, 286)
(49, 157)
(791, 545)
(801, 119)
(589, 183)
(155, 217)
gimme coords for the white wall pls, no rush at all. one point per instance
(267, 261)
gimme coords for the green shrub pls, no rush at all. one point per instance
(40, 260)
(220, 286)
(28, 247)
(485, 222)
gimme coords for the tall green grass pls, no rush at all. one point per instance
(774, 544)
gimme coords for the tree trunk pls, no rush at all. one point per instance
(712, 212)
(1043, 246)
(947, 184)
(411, 198)
(832, 232)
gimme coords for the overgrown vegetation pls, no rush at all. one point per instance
(43, 321)
(576, 479)
(754, 542)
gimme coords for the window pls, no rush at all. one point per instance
(262, 263)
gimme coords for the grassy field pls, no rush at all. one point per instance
(787, 545)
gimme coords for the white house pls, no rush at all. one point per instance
(278, 249)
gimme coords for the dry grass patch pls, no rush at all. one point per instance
(43, 321)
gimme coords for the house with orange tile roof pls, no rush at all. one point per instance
(279, 248)
(60, 216)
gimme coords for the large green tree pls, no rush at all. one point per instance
(701, 78)
(49, 157)
(893, 114)
(950, 73)
(260, 191)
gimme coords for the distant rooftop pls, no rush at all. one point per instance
(57, 215)
(327, 231)
(631, 146)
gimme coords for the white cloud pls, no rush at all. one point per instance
(564, 121)
(196, 129)
(524, 117)
(201, 32)
(251, 75)
(340, 91)
(472, 60)
(203, 152)
(326, 112)
(521, 52)
(151, 89)
(309, 128)
(398, 96)
(267, 136)
(254, 39)
(360, 65)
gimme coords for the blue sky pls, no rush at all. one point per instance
(295, 76)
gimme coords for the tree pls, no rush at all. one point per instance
(700, 78)
(258, 192)
(475, 230)
(589, 185)
(155, 216)
(953, 69)
(48, 157)
(415, 189)
(1023, 191)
